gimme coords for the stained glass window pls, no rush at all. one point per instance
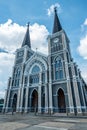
(34, 78)
(35, 69)
(58, 68)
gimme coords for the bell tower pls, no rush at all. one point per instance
(22, 55)
(59, 57)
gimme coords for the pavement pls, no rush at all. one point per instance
(41, 122)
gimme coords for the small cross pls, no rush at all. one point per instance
(55, 8)
(28, 24)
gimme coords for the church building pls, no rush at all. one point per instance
(46, 83)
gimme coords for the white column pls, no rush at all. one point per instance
(82, 92)
(6, 110)
(46, 99)
(21, 97)
(20, 89)
(81, 85)
(39, 94)
(50, 88)
(8, 96)
(26, 102)
(27, 92)
(46, 93)
(83, 95)
(69, 91)
(50, 78)
(5, 101)
(18, 100)
(76, 92)
(21, 102)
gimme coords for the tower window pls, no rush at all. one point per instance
(26, 79)
(58, 69)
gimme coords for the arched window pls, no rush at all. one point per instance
(16, 76)
(58, 68)
(18, 72)
(35, 69)
(34, 78)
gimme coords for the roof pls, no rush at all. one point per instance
(26, 40)
(57, 26)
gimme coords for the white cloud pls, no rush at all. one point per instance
(12, 34)
(11, 37)
(38, 35)
(6, 63)
(2, 89)
(2, 94)
(83, 68)
(51, 9)
(82, 48)
(85, 23)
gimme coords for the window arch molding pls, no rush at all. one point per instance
(35, 73)
(57, 57)
(34, 89)
(36, 64)
(59, 89)
(40, 62)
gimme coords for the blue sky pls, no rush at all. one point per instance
(14, 14)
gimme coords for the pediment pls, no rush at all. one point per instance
(36, 58)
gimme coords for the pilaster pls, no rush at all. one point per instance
(18, 100)
(69, 108)
(50, 88)
(46, 93)
(39, 94)
(20, 91)
(84, 103)
(21, 97)
(27, 92)
(5, 99)
(76, 92)
(46, 98)
(8, 96)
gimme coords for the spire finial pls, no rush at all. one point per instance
(28, 24)
(55, 9)
(57, 26)
(26, 40)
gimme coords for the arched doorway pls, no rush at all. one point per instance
(34, 100)
(61, 101)
(14, 104)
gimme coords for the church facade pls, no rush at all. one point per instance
(50, 83)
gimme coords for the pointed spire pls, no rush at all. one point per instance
(57, 26)
(26, 40)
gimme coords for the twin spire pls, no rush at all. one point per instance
(26, 40)
(56, 28)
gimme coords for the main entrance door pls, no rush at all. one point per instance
(61, 101)
(14, 104)
(34, 102)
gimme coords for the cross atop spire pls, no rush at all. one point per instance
(28, 24)
(57, 26)
(55, 9)
(26, 40)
